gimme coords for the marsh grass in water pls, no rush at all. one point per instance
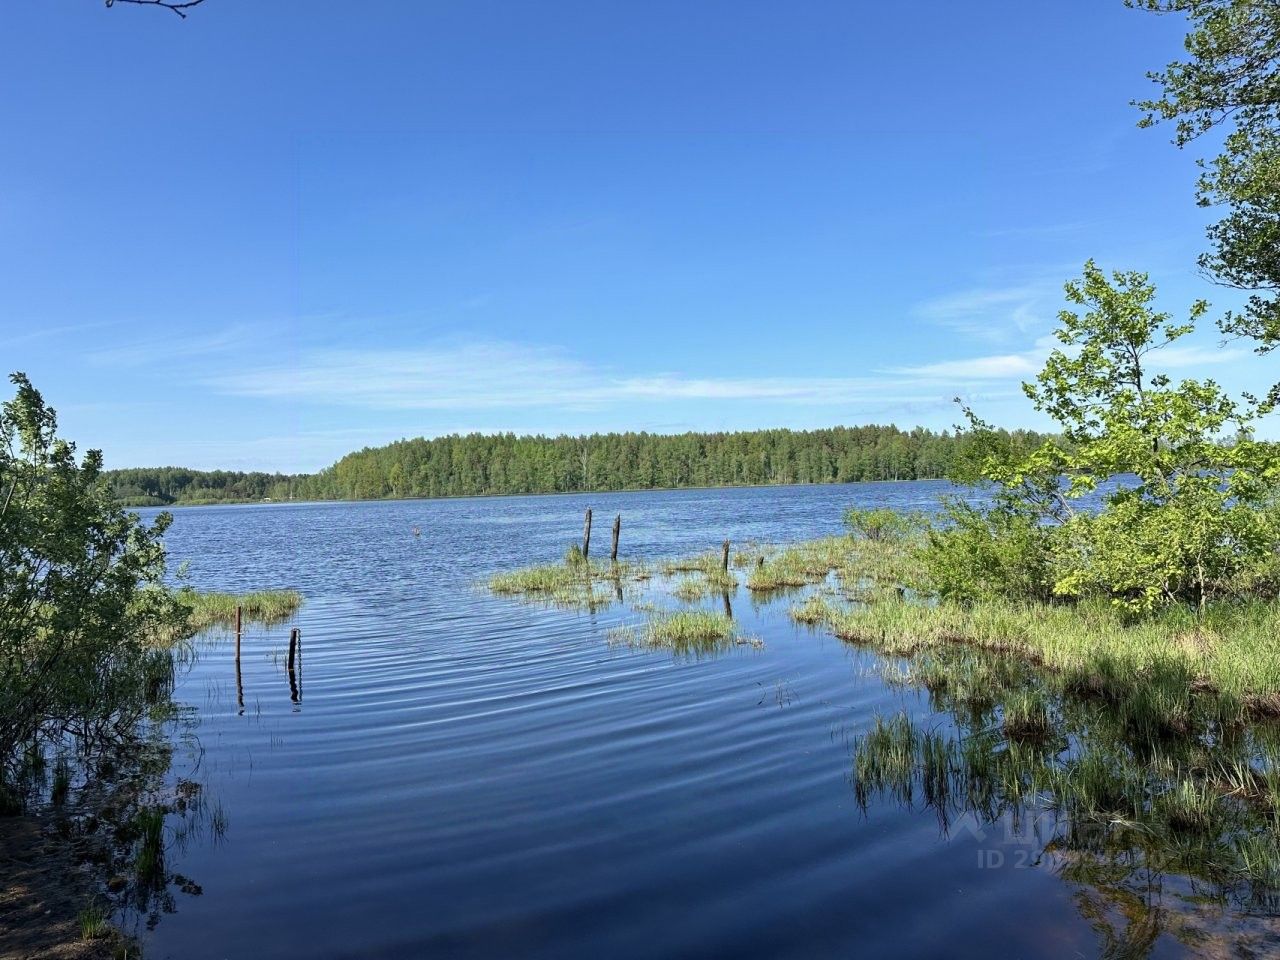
(1159, 666)
(709, 568)
(209, 609)
(798, 565)
(684, 632)
(575, 583)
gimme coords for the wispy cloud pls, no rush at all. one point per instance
(488, 375)
(1042, 229)
(30, 332)
(993, 314)
(1026, 364)
(495, 375)
(1181, 358)
(488, 386)
(167, 348)
(999, 367)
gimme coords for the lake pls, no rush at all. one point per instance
(464, 775)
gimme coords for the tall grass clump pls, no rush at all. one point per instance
(684, 632)
(209, 609)
(799, 565)
(94, 922)
(574, 583)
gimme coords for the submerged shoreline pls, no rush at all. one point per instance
(47, 890)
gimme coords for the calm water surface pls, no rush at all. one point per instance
(468, 776)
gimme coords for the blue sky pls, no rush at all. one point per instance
(276, 232)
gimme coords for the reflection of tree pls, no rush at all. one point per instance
(1168, 835)
(133, 815)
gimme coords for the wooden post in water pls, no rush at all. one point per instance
(617, 529)
(295, 653)
(239, 622)
(586, 535)
(725, 559)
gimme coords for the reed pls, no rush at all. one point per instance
(1116, 805)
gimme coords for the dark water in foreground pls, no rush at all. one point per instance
(467, 776)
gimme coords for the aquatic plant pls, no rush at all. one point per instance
(578, 584)
(210, 608)
(1154, 666)
(684, 632)
(799, 565)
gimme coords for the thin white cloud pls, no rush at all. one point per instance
(1000, 367)
(994, 314)
(1179, 358)
(488, 375)
(237, 336)
(1028, 363)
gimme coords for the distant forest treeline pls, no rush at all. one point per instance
(479, 464)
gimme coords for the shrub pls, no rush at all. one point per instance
(988, 554)
(882, 524)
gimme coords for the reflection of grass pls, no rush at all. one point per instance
(1113, 802)
(684, 632)
(219, 609)
(148, 860)
(219, 822)
(61, 782)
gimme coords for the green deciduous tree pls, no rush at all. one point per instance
(82, 605)
(1186, 491)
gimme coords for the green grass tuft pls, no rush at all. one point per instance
(219, 609)
(94, 922)
(685, 632)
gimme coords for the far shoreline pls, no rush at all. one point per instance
(554, 493)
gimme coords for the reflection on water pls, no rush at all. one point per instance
(477, 777)
(1174, 835)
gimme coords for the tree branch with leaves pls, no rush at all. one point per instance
(1231, 79)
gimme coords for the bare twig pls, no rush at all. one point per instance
(180, 7)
